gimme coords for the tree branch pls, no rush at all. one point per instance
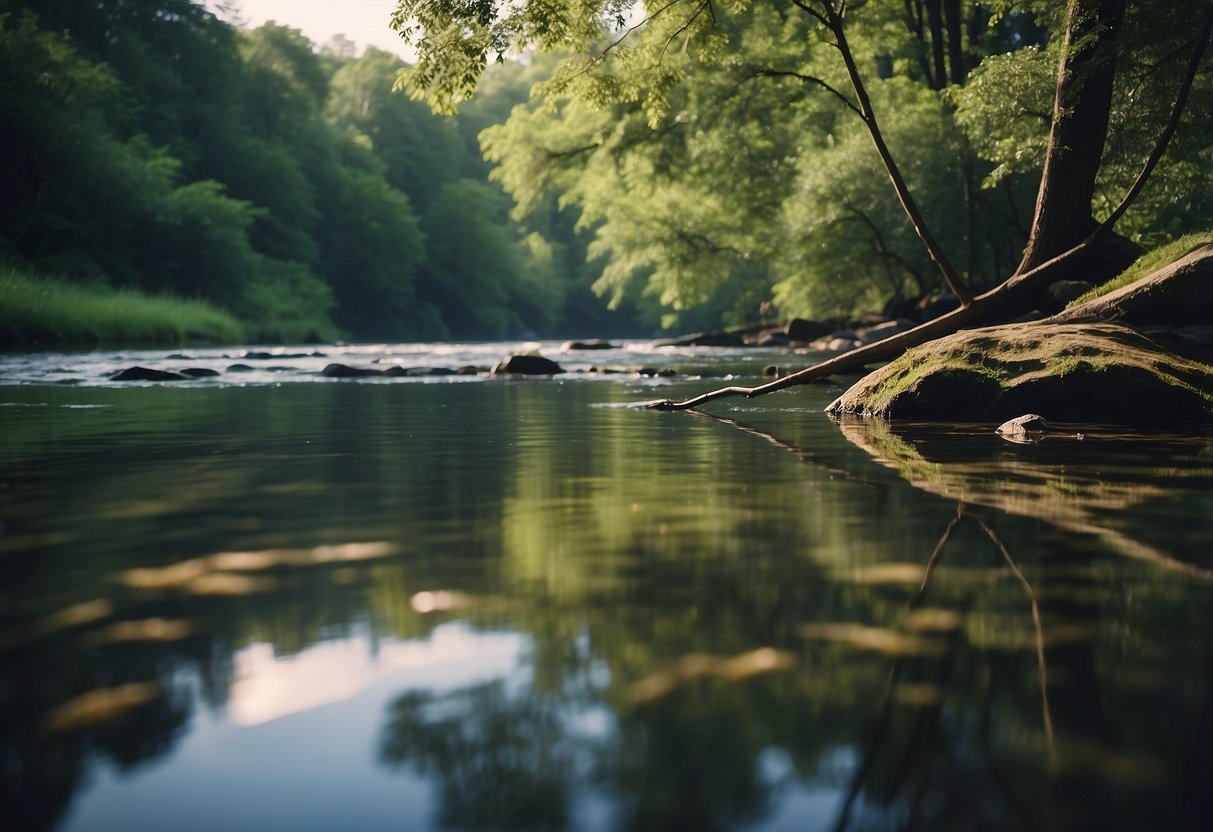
(810, 79)
(1160, 146)
(908, 204)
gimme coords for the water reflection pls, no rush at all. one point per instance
(477, 607)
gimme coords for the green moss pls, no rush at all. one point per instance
(1149, 262)
(968, 374)
(43, 311)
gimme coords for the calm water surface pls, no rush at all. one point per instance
(271, 600)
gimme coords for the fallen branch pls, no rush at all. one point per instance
(981, 309)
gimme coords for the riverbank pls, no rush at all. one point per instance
(37, 311)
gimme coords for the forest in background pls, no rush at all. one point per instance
(687, 172)
(151, 146)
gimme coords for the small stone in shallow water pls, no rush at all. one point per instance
(1026, 428)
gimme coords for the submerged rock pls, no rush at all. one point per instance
(199, 372)
(145, 374)
(527, 365)
(1066, 372)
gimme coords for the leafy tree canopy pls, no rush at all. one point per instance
(720, 150)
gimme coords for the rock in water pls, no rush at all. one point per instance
(345, 371)
(1026, 428)
(528, 365)
(145, 374)
(590, 344)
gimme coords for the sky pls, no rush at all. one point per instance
(363, 21)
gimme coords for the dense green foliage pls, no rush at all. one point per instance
(150, 146)
(695, 163)
(717, 153)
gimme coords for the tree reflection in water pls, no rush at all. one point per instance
(1003, 704)
(715, 640)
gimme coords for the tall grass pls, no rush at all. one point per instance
(39, 311)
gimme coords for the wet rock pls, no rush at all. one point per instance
(346, 371)
(842, 341)
(470, 370)
(656, 372)
(240, 368)
(417, 372)
(1027, 428)
(199, 372)
(145, 374)
(800, 329)
(590, 344)
(771, 371)
(772, 339)
(527, 365)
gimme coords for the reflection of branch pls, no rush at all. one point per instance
(886, 704)
(803, 454)
(926, 578)
(1046, 715)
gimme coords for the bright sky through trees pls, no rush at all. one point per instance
(363, 21)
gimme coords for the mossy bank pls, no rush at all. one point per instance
(1114, 360)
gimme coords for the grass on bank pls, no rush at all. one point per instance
(1149, 262)
(38, 311)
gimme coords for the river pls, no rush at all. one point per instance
(270, 599)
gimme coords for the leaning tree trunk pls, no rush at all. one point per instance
(1063, 215)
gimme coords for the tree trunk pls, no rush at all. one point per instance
(939, 76)
(956, 56)
(1063, 216)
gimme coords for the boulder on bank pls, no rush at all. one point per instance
(527, 365)
(1066, 372)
